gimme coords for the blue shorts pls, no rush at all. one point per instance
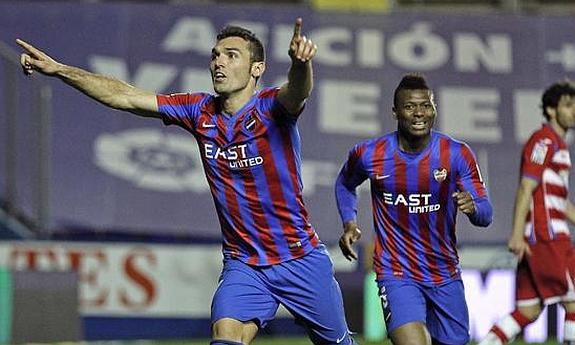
(441, 308)
(305, 286)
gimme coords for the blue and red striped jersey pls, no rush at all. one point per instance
(253, 166)
(413, 208)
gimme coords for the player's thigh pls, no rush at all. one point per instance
(525, 288)
(402, 303)
(447, 313)
(243, 295)
(310, 292)
(549, 268)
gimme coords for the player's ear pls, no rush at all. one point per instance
(394, 113)
(258, 69)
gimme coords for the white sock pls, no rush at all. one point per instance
(569, 331)
(504, 331)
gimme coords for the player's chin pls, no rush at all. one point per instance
(420, 133)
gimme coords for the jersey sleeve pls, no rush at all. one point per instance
(470, 180)
(181, 109)
(351, 175)
(270, 105)
(537, 153)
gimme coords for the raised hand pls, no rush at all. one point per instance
(34, 59)
(301, 48)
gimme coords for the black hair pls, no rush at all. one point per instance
(553, 94)
(411, 81)
(256, 47)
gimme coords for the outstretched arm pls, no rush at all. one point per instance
(109, 91)
(293, 94)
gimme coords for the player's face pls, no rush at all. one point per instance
(565, 112)
(415, 113)
(230, 65)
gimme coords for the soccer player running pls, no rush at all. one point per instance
(540, 237)
(250, 149)
(419, 179)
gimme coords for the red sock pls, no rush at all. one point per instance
(570, 316)
(499, 334)
(521, 319)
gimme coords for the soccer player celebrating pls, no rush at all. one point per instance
(250, 149)
(419, 179)
(540, 237)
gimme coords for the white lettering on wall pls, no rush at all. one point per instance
(470, 113)
(494, 54)
(349, 107)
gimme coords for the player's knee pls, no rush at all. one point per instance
(531, 312)
(569, 306)
(412, 333)
(227, 330)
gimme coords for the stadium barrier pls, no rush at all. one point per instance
(150, 291)
(39, 307)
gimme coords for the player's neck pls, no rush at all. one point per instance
(233, 102)
(413, 144)
(558, 128)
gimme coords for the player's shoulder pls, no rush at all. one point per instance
(436, 136)
(267, 92)
(372, 142)
(188, 96)
(457, 147)
(186, 99)
(544, 136)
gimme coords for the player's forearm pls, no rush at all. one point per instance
(520, 210)
(109, 91)
(299, 86)
(346, 200)
(300, 79)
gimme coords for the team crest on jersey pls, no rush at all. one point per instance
(539, 151)
(440, 174)
(250, 122)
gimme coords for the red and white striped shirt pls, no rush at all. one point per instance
(546, 159)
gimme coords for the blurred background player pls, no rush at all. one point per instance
(250, 149)
(540, 239)
(419, 179)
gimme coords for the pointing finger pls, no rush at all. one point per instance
(297, 28)
(28, 47)
(24, 44)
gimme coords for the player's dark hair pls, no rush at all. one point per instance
(256, 47)
(553, 94)
(411, 81)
